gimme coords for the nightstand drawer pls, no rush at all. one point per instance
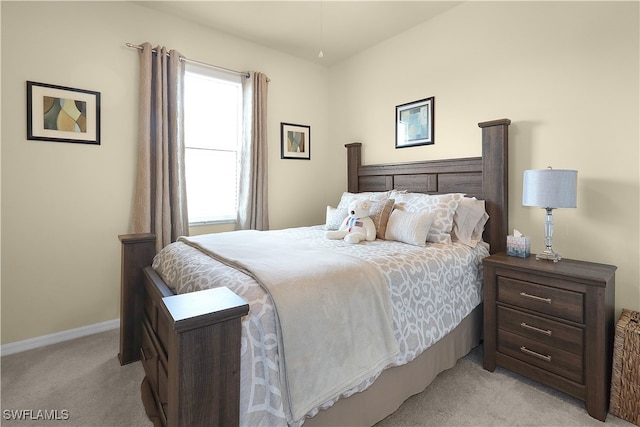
(544, 356)
(543, 299)
(556, 334)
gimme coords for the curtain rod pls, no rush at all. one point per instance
(185, 59)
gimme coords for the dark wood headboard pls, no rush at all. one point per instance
(483, 177)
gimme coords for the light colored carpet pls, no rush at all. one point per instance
(84, 377)
(467, 395)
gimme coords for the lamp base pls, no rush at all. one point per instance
(549, 254)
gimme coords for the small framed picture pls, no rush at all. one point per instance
(295, 141)
(62, 114)
(414, 123)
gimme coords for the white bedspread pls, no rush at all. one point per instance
(333, 311)
(432, 289)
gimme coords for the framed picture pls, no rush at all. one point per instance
(414, 123)
(62, 114)
(295, 141)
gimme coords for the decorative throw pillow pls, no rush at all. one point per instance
(442, 205)
(409, 227)
(379, 213)
(470, 216)
(335, 217)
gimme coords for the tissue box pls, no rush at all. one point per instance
(518, 246)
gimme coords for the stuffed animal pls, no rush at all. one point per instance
(358, 226)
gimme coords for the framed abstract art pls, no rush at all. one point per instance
(62, 114)
(414, 123)
(295, 141)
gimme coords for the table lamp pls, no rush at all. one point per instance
(549, 189)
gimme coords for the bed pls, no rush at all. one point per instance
(209, 363)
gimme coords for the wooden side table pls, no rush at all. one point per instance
(553, 323)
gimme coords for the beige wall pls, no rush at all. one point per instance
(63, 205)
(568, 84)
(565, 73)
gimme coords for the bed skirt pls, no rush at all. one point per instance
(395, 385)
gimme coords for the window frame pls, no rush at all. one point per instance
(232, 78)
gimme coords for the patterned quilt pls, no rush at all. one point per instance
(432, 289)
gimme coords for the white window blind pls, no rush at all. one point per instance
(213, 128)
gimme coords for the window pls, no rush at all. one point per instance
(212, 131)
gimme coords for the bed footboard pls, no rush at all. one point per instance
(138, 251)
(189, 344)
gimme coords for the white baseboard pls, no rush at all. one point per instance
(31, 343)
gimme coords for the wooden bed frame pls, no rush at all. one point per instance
(189, 344)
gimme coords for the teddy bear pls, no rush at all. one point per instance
(358, 226)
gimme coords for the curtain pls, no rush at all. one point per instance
(160, 203)
(253, 210)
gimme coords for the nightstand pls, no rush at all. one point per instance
(553, 323)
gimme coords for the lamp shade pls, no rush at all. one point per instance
(550, 188)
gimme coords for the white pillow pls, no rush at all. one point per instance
(335, 217)
(479, 229)
(442, 205)
(394, 193)
(374, 196)
(409, 227)
(468, 221)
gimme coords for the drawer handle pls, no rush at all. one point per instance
(535, 354)
(546, 332)
(535, 297)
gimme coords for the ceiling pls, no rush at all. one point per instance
(296, 27)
